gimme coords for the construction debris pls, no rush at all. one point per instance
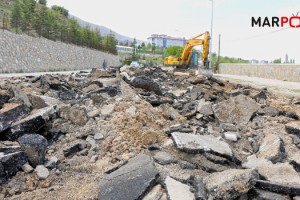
(146, 134)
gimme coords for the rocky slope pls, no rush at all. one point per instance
(146, 134)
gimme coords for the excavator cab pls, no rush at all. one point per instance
(194, 60)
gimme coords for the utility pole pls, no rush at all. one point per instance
(211, 34)
(217, 67)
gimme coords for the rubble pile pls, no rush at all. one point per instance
(146, 134)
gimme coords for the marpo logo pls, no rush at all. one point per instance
(284, 21)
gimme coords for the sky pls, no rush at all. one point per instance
(188, 18)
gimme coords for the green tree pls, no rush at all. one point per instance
(112, 43)
(277, 61)
(153, 47)
(62, 31)
(61, 10)
(148, 48)
(17, 15)
(134, 54)
(40, 17)
(43, 2)
(106, 43)
(174, 51)
(28, 8)
(50, 25)
(98, 40)
(5, 20)
(75, 32)
(86, 36)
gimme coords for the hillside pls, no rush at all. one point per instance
(34, 18)
(103, 30)
(6, 7)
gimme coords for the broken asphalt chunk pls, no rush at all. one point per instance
(10, 164)
(179, 128)
(196, 80)
(200, 190)
(266, 195)
(10, 113)
(145, 83)
(131, 181)
(230, 184)
(75, 114)
(34, 146)
(293, 128)
(164, 158)
(282, 173)
(111, 91)
(4, 97)
(272, 148)
(69, 95)
(73, 150)
(158, 100)
(238, 110)
(204, 108)
(189, 109)
(211, 78)
(278, 188)
(280, 178)
(177, 190)
(254, 162)
(30, 124)
(191, 143)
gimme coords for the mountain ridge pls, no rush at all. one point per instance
(103, 29)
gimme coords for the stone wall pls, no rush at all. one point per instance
(272, 71)
(22, 53)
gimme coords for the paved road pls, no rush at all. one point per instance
(276, 86)
(3, 76)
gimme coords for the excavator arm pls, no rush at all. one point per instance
(191, 43)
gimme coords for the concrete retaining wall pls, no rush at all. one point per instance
(22, 53)
(272, 71)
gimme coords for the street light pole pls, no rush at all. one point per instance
(211, 34)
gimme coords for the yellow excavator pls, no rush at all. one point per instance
(188, 58)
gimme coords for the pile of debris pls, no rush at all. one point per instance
(146, 134)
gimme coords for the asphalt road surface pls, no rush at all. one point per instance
(276, 86)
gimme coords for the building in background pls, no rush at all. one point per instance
(253, 61)
(165, 41)
(286, 61)
(264, 62)
(124, 49)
